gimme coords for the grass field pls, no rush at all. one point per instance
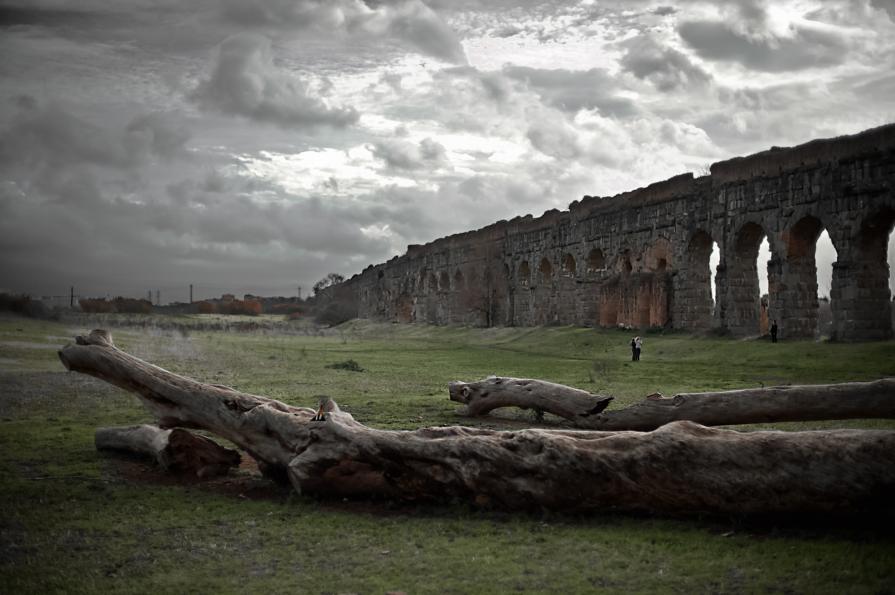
(76, 521)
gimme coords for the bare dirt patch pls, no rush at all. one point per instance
(244, 482)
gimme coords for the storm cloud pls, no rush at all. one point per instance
(245, 81)
(805, 47)
(257, 145)
(410, 21)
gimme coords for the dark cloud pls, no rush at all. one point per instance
(409, 20)
(887, 5)
(664, 11)
(806, 48)
(554, 138)
(162, 134)
(245, 81)
(50, 138)
(665, 67)
(45, 16)
(495, 84)
(400, 154)
(571, 90)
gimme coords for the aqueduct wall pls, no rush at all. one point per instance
(641, 258)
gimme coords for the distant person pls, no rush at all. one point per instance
(774, 332)
(638, 345)
(634, 349)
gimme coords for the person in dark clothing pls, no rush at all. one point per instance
(638, 345)
(774, 332)
(634, 349)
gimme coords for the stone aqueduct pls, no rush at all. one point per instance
(641, 258)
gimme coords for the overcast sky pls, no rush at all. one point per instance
(256, 145)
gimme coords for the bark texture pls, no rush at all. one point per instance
(558, 399)
(177, 450)
(680, 467)
(852, 400)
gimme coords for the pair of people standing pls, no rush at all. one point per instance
(636, 345)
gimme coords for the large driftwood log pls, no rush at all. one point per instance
(176, 450)
(558, 399)
(680, 467)
(852, 400)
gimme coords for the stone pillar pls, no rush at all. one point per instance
(659, 307)
(644, 299)
(860, 299)
(743, 299)
(609, 303)
(566, 298)
(693, 299)
(775, 292)
(586, 302)
(798, 296)
(720, 304)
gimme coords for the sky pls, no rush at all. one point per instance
(253, 146)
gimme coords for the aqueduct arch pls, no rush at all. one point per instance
(743, 295)
(599, 263)
(799, 283)
(860, 288)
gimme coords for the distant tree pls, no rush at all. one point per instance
(287, 309)
(96, 305)
(132, 306)
(335, 313)
(241, 307)
(206, 308)
(328, 281)
(24, 305)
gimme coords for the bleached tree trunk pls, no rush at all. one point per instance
(558, 399)
(680, 467)
(851, 400)
(176, 450)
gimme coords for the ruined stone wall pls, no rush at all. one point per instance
(641, 259)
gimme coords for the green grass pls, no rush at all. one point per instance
(76, 521)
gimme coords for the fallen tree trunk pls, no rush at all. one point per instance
(558, 399)
(852, 400)
(177, 450)
(680, 467)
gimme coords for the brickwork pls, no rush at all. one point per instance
(641, 259)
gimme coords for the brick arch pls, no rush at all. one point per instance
(799, 315)
(694, 306)
(595, 260)
(873, 238)
(569, 267)
(659, 256)
(801, 237)
(458, 280)
(545, 271)
(654, 290)
(524, 275)
(624, 261)
(745, 314)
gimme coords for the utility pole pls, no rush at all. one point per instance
(299, 293)
(71, 298)
(191, 293)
